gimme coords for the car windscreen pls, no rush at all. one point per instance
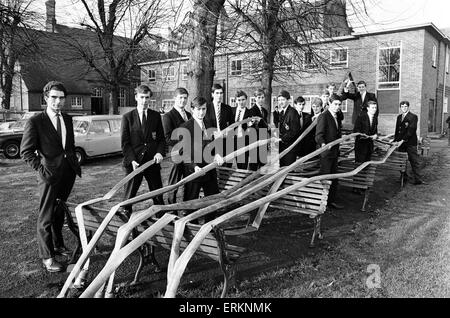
(80, 127)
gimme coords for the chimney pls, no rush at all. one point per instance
(50, 23)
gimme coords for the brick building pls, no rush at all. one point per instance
(410, 63)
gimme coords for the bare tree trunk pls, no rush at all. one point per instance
(201, 63)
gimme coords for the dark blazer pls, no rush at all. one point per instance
(171, 121)
(289, 126)
(327, 131)
(264, 115)
(364, 146)
(308, 144)
(226, 116)
(359, 104)
(197, 144)
(247, 114)
(42, 149)
(406, 130)
(136, 146)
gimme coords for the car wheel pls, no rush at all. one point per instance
(11, 149)
(81, 155)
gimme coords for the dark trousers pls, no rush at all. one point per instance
(51, 216)
(258, 157)
(288, 158)
(176, 174)
(363, 150)
(329, 165)
(153, 176)
(242, 160)
(208, 183)
(414, 160)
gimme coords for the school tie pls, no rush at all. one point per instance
(144, 122)
(238, 115)
(301, 120)
(218, 115)
(58, 126)
(183, 114)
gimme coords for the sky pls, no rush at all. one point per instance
(383, 14)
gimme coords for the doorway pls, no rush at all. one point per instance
(432, 116)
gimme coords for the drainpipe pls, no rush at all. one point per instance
(444, 90)
(228, 88)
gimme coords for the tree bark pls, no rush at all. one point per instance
(201, 63)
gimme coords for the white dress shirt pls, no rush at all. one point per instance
(52, 115)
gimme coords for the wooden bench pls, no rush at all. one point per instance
(362, 180)
(397, 162)
(214, 246)
(310, 200)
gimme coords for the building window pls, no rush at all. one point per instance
(184, 74)
(76, 102)
(152, 105)
(43, 102)
(389, 68)
(169, 73)
(447, 61)
(122, 97)
(309, 62)
(344, 106)
(308, 101)
(233, 101)
(167, 105)
(283, 62)
(274, 102)
(339, 58)
(236, 67)
(434, 57)
(97, 92)
(151, 75)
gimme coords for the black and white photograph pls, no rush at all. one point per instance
(234, 156)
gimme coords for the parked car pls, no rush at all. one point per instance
(96, 135)
(10, 143)
(10, 115)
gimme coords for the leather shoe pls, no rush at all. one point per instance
(336, 206)
(52, 266)
(417, 182)
(64, 251)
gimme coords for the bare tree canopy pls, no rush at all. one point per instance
(119, 31)
(16, 21)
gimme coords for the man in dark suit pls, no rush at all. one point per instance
(360, 98)
(220, 115)
(289, 128)
(366, 123)
(308, 144)
(142, 140)
(171, 121)
(240, 112)
(259, 158)
(48, 146)
(194, 156)
(329, 129)
(405, 129)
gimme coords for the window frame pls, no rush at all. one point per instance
(309, 66)
(122, 97)
(434, 56)
(184, 75)
(340, 64)
(151, 71)
(76, 105)
(171, 102)
(168, 73)
(380, 84)
(236, 71)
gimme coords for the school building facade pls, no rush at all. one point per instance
(410, 63)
